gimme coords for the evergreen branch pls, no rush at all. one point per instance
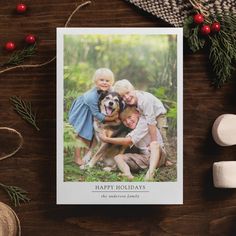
(16, 194)
(195, 42)
(191, 32)
(19, 56)
(222, 50)
(24, 110)
(187, 26)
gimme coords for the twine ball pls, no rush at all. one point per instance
(9, 222)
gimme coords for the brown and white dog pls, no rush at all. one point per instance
(109, 103)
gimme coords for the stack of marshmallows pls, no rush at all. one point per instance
(224, 134)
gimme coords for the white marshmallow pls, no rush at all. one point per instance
(224, 130)
(224, 174)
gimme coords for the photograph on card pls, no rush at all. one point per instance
(120, 108)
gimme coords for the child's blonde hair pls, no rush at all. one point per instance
(128, 111)
(123, 86)
(103, 72)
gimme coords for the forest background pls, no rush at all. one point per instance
(149, 62)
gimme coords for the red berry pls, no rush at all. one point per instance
(198, 18)
(205, 30)
(21, 8)
(215, 27)
(30, 39)
(10, 46)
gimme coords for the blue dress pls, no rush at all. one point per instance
(82, 111)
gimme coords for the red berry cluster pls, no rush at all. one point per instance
(29, 39)
(205, 28)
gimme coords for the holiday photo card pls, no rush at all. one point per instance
(119, 116)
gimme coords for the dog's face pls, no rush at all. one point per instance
(110, 102)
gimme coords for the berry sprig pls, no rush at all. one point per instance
(206, 27)
(20, 55)
(30, 39)
(218, 34)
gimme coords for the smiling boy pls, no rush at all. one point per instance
(152, 154)
(148, 105)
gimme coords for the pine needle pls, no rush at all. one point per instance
(19, 56)
(223, 52)
(24, 110)
(195, 41)
(16, 194)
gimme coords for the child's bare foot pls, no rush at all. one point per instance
(129, 176)
(79, 161)
(78, 158)
(149, 176)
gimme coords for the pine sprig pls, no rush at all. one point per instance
(19, 56)
(24, 110)
(16, 194)
(221, 56)
(222, 50)
(195, 41)
(187, 26)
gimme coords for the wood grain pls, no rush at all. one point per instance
(206, 210)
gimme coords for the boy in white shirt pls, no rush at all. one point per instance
(148, 105)
(152, 153)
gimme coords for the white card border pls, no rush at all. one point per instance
(84, 192)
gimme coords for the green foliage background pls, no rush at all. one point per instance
(147, 61)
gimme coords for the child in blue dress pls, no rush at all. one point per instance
(85, 108)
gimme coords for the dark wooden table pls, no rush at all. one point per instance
(206, 210)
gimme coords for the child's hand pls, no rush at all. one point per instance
(103, 136)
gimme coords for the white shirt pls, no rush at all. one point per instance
(149, 106)
(141, 138)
